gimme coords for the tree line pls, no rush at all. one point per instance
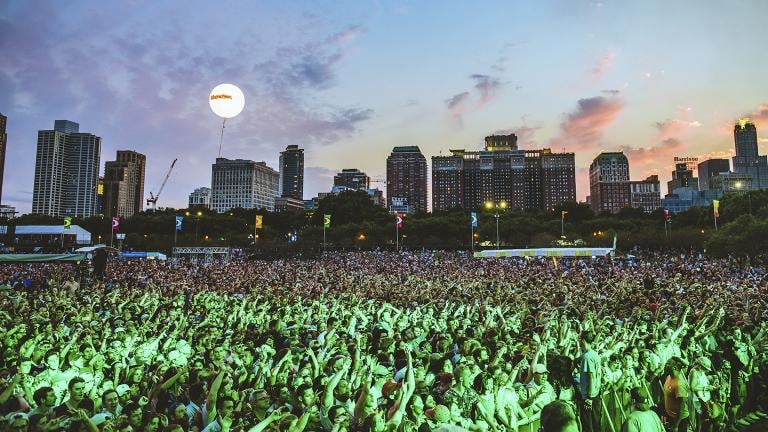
(356, 223)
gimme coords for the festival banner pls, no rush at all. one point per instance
(399, 219)
(67, 222)
(178, 222)
(259, 221)
(326, 221)
(716, 207)
(474, 219)
(115, 223)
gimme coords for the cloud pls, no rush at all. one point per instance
(457, 106)
(670, 128)
(144, 86)
(653, 156)
(488, 87)
(603, 64)
(759, 116)
(524, 135)
(583, 128)
(611, 92)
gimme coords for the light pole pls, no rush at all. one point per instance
(197, 222)
(497, 206)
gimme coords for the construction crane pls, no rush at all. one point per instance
(153, 198)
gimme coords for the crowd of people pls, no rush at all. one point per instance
(382, 341)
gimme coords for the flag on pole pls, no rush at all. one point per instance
(666, 214)
(716, 207)
(474, 220)
(259, 221)
(67, 222)
(178, 222)
(563, 213)
(326, 221)
(115, 223)
(399, 219)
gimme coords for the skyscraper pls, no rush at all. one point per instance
(238, 183)
(3, 150)
(747, 159)
(292, 172)
(609, 182)
(124, 184)
(407, 178)
(645, 194)
(66, 171)
(711, 168)
(352, 178)
(682, 176)
(501, 172)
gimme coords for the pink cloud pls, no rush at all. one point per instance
(670, 128)
(457, 107)
(603, 64)
(583, 128)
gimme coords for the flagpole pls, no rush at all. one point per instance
(175, 232)
(397, 236)
(715, 222)
(471, 237)
(562, 224)
(323, 237)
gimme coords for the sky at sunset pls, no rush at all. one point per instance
(348, 80)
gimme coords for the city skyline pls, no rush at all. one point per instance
(583, 78)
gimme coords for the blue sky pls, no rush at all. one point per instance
(347, 81)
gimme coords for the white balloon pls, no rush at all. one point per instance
(226, 100)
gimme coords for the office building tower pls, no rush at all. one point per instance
(732, 182)
(124, 184)
(238, 183)
(3, 149)
(66, 171)
(747, 159)
(200, 197)
(682, 176)
(645, 194)
(352, 178)
(711, 168)
(502, 173)
(407, 179)
(292, 172)
(609, 182)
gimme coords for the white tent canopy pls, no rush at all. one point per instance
(82, 236)
(549, 252)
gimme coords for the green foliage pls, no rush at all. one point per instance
(357, 223)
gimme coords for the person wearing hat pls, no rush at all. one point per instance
(540, 391)
(642, 418)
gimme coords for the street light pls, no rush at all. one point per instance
(197, 222)
(497, 206)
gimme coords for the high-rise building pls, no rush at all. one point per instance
(502, 173)
(407, 178)
(66, 171)
(682, 176)
(141, 168)
(238, 183)
(747, 159)
(731, 182)
(124, 184)
(3, 149)
(645, 194)
(711, 168)
(200, 197)
(609, 182)
(292, 172)
(352, 178)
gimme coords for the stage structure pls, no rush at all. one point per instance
(586, 252)
(203, 255)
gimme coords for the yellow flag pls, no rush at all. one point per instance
(716, 206)
(259, 221)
